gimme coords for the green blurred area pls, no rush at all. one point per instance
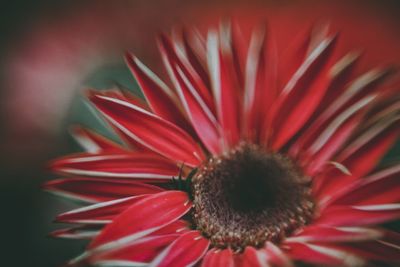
(107, 77)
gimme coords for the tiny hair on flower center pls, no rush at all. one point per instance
(249, 196)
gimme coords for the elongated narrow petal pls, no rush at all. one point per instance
(143, 217)
(364, 153)
(173, 57)
(253, 258)
(358, 89)
(161, 99)
(364, 85)
(100, 213)
(93, 142)
(99, 190)
(80, 232)
(130, 143)
(360, 157)
(378, 250)
(141, 251)
(321, 254)
(122, 94)
(335, 135)
(137, 253)
(201, 117)
(340, 74)
(216, 257)
(301, 46)
(268, 256)
(150, 130)
(239, 52)
(224, 85)
(383, 250)
(185, 251)
(364, 191)
(228, 104)
(359, 215)
(392, 238)
(276, 256)
(318, 233)
(122, 165)
(176, 227)
(195, 60)
(260, 88)
(195, 105)
(302, 93)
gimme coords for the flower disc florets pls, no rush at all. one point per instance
(249, 196)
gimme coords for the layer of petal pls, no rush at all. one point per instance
(150, 130)
(185, 251)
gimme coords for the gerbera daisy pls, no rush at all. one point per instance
(247, 159)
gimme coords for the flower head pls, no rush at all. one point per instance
(247, 159)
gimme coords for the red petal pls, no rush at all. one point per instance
(216, 257)
(80, 232)
(381, 250)
(141, 165)
(260, 87)
(360, 157)
(321, 254)
(99, 213)
(130, 98)
(358, 89)
(143, 217)
(302, 93)
(227, 100)
(378, 250)
(136, 253)
(358, 215)
(380, 188)
(339, 74)
(276, 256)
(391, 238)
(270, 255)
(199, 113)
(199, 45)
(194, 60)
(239, 51)
(318, 233)
(363, 153)
(251, 258)
(143, 250)
(364, 85)
(150, 130)
(185, 251)
(224, 85)
(122, 95)
(161, 99)
(335, 135)
(176, 227)
(93, 142)
(99, 190)
(325, 153)
(171, 58)
(201, 117)
(299, 48)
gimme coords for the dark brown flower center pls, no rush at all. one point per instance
(249, 196)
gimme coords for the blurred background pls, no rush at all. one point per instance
(51, 50)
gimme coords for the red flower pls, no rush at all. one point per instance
(247, 161)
